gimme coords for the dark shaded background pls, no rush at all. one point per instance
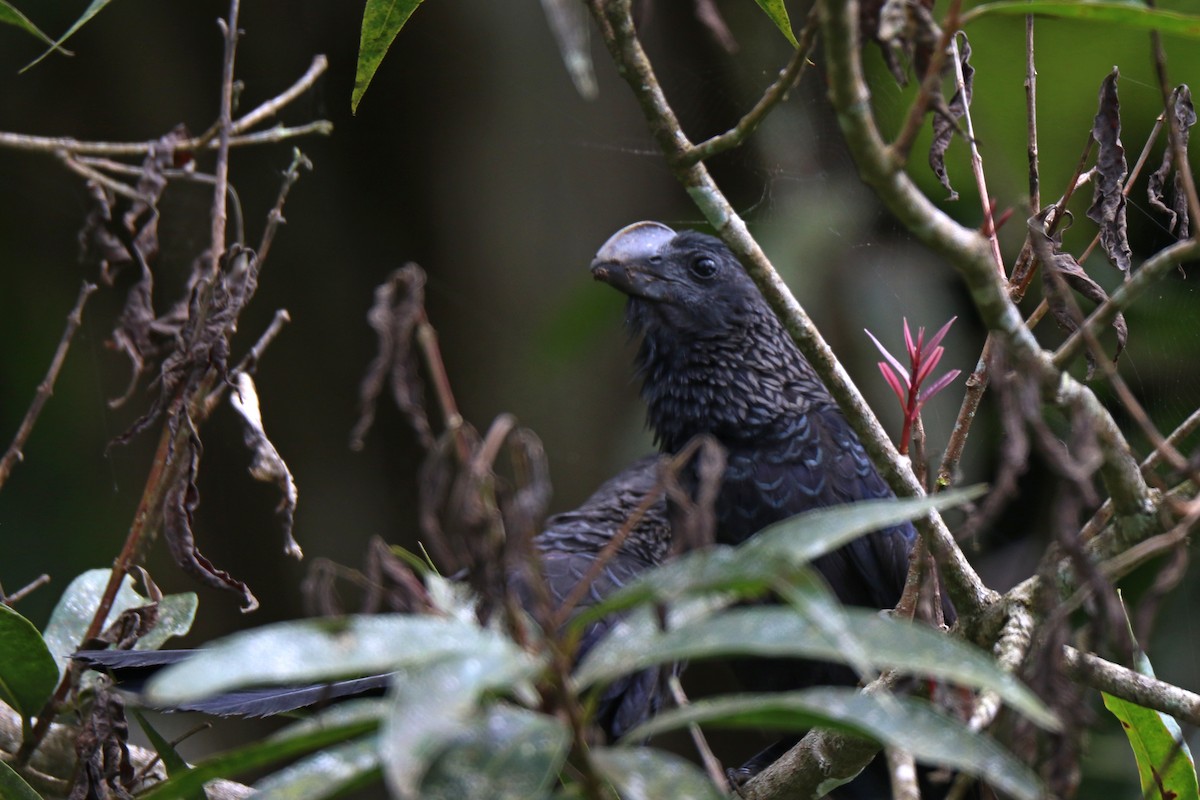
(473, 155)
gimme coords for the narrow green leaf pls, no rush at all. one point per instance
(28, 674)
(382, 20)
(326, 774)
(506, 753)
(434, 703)
(13, 786)
(166, 751)
(92, 10)
(779, 632)
(777, 11)
(1165, 767)
(1165, 763)
(775, 554)
(643, 773)
(12, 16)
(902, 722)
(1125, 14)
(75, 609)
(352, 719)
(309, 651)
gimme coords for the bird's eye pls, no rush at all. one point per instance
(704, 267)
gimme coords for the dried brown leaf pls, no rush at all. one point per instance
(267, 465)
(1108, 198)
(179, 506)
(1183, 116)
(102, 749)
(945, 119)
(905, 32)
(396, 314)
(1062, 268)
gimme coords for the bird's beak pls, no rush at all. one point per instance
(622, 260)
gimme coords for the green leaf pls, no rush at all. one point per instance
(382, 20)
(1165, 763)
(1125, 14)
(777, 11)
(434, 703)
(901, 722)
(343, 723)
(12, 16)
(13, 786)
(506, 753)
(309, 651)
(171, 759)
(779, 632)
(78, 604)
(775, 554)
(92, 10)
(28, 673)
(643, 773)
(330, 772)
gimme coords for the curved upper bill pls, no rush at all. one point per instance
(632, 244)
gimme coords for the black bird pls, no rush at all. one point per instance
(569, 546)
(713, 358)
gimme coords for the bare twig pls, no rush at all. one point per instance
(273, 106)
(57, 144)
(24, 591)
(903, 771)
(989, 225)
(789, 78)
(1031, 136)
(712, 766)
(224, 130)
(46, 387)
(275, 216)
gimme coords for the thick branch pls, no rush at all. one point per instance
(1105, 676)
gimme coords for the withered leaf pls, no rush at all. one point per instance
(1182, 115)
(905, 32)
(267, 465)
(396, 314)
(1108, 200)
(102, 749)
(119, 230)
(1057, 264)
(179, 506)
(945, 118)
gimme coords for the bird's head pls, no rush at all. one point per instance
(688, 281)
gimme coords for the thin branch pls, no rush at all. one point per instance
(225, 129)
(113, 185)
(789, 78)
(903, 771)
(1146, 275)
(989, 225)
(1145, 691)
(712, 766)
(275, 216)
(56, 144)
(1031, 136)
(273, 106)
(46, 388)
(24, 591)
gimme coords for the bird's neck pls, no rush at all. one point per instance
(738, 387)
